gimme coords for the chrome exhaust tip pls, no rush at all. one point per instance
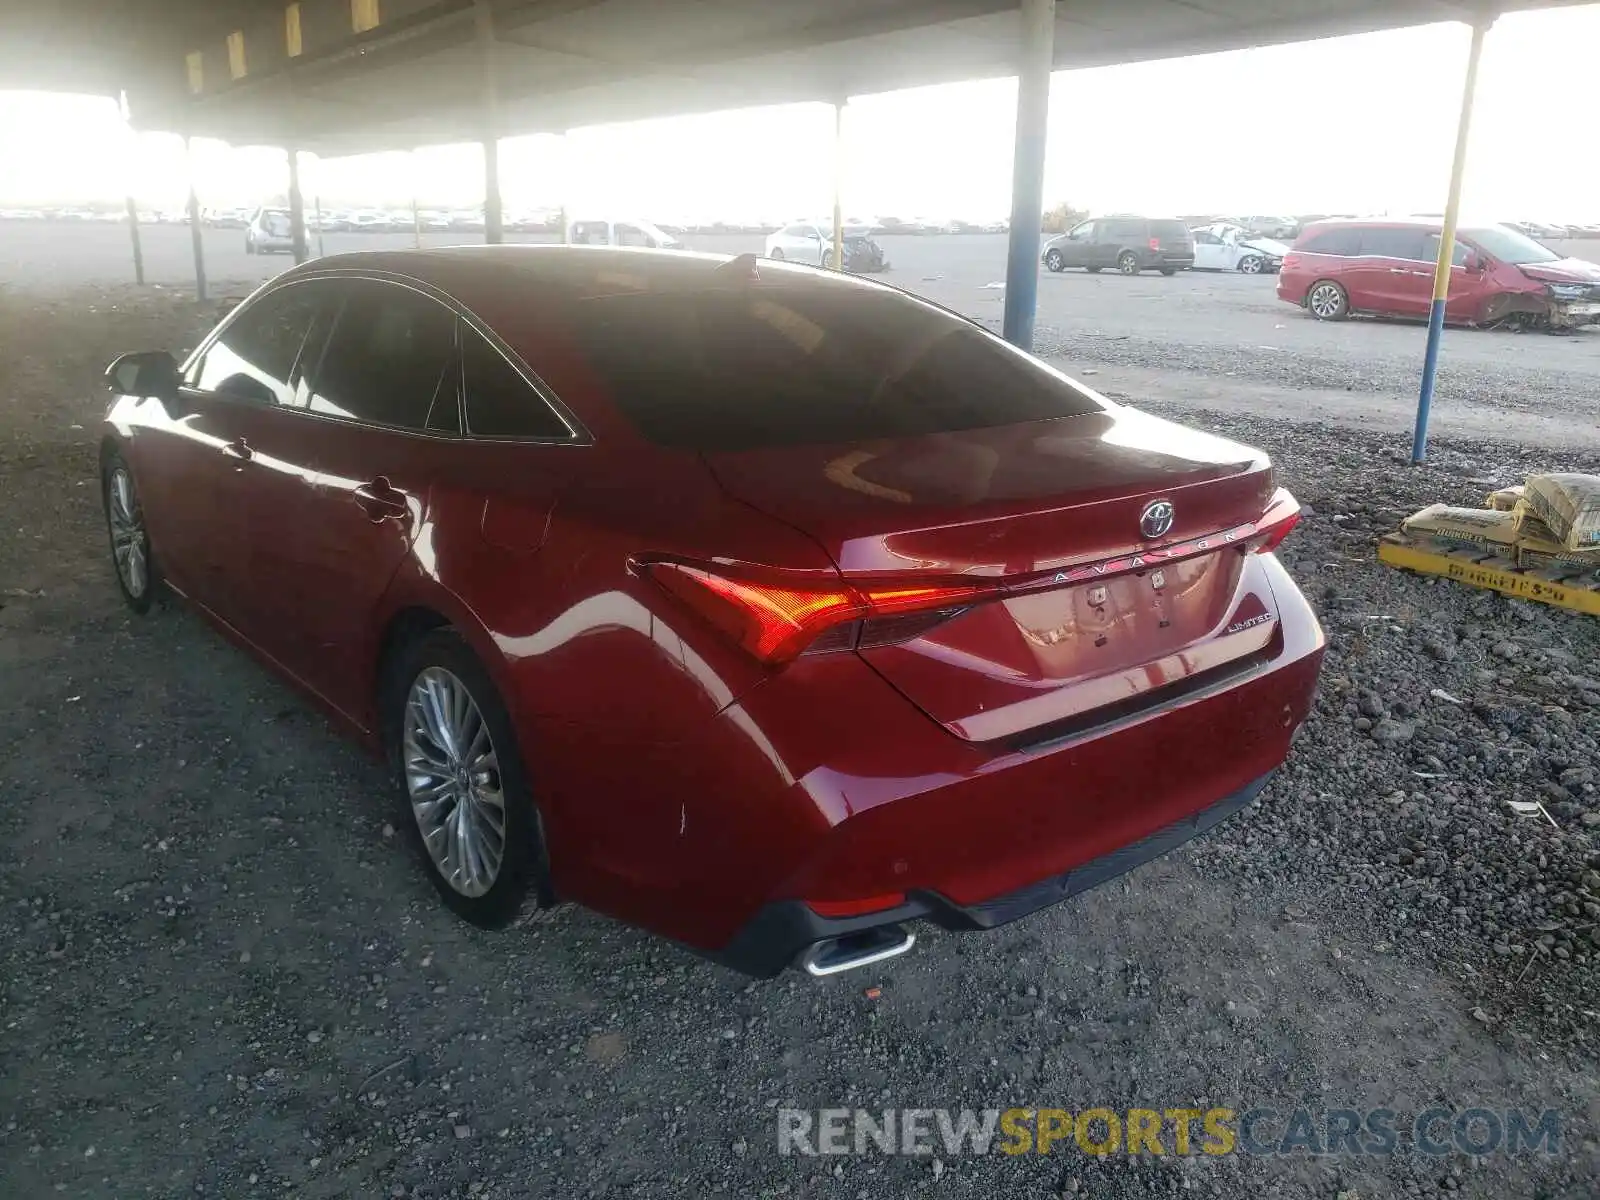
(854, 950)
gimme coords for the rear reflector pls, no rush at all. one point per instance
(854, 908)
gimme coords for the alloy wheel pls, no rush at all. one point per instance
(129, 543)
(452, 775)
(1250, 265)
(1326, 301)
(1128, 264)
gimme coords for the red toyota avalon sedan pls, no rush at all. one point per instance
(764, 607)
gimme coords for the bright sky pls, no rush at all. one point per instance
(1362, 124)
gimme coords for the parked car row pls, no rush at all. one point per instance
(1385, 267)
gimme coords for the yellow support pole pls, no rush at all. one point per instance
(1447, 248)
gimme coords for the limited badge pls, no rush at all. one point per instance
(1097, 596)
(1158, 579)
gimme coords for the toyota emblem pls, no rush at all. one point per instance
(1156, 519)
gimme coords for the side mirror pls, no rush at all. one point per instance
(145, 373)
(1474, 262)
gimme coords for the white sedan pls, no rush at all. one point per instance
(1232, 248)
(812, 242)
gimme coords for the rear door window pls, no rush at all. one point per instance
(750, 367)
(1343, 241)
(1123, 231)
(390, 360)
(1170, 231)
(1394, 242)
(499, 401)
(254, 358)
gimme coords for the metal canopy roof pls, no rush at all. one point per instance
(348, 76)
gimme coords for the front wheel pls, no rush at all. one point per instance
(1128, 263)
(827, 258)
(249, 245)
(777, 254)
(1054, 261)
(137, 575)
(1250, 264)
(461, 784)
(1327, 301)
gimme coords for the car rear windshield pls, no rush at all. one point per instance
(764, 366)
(1509, 246)
(1170, 231)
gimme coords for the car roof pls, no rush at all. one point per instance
(482, 273)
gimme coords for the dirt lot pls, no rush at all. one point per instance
(220, 975)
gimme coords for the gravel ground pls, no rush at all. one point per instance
(220, 973)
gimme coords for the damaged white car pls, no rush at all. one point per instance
(1233, 248)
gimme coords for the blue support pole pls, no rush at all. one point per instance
(1035, 60)
(1447, 249)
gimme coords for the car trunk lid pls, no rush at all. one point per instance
(1083, 606)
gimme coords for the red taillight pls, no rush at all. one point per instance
(1282, 515)
(1155, 243)
(776, 620)
(1289, 262)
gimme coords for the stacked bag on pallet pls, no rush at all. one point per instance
(1551, 523)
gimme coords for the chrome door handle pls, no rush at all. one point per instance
(1400, 271)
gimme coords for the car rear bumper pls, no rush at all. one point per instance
(781, 932)
(972, 836)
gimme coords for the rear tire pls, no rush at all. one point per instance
(426, 762)
(1169, 271)
(1327, 301)
(1054, 262)
(1128, 262)
(827, 259)
(777, 254)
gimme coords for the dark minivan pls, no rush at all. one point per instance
(1129, 244)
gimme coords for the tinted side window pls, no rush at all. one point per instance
(254, 359)
(1394, 243)
(631, 235)
(389, 360)
(499, 401)
(1332, 241)
(1084, 232)
(1122, 231)
(1458, 257)
(1171, 231)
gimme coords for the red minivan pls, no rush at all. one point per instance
(1385, 267)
